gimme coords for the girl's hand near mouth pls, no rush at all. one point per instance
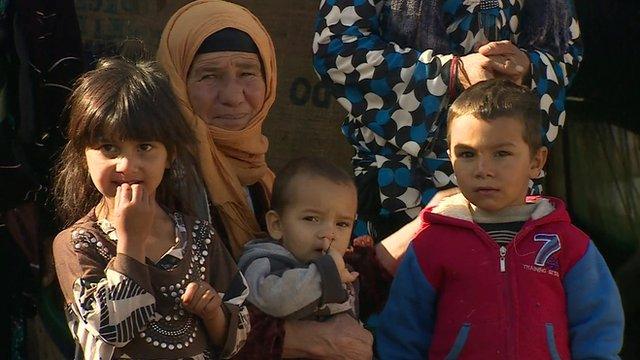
(134, 212)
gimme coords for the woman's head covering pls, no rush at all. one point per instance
(420, 24)
(228, 39)
(229, 160)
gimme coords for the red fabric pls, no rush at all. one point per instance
(453, 77)
(374, 279)
(266, 338)
(466, 253)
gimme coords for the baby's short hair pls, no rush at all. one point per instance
(496, 98)
(310, 166)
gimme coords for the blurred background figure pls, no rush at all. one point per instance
(40, 56)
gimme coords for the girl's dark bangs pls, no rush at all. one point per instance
(139, 122)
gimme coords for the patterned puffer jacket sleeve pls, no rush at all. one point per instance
(395, 92)
(395, 96)
(551, 76)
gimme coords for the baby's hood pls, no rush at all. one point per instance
(260, 248)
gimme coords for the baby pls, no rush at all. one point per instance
(299, 272)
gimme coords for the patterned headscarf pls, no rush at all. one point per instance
(228, 160)
(419, 24)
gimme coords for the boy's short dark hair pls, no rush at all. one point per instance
(496, 98)
(310, 166)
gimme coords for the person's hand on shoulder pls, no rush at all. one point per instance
(442, 194)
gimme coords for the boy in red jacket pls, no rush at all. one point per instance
(494, 274)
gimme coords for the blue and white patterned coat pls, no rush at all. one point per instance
(395, 91)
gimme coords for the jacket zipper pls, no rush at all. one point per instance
(503, 258)
(511, 345)
(502, 252)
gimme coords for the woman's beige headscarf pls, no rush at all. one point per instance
(229, 160)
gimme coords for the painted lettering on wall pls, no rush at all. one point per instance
(302, 92)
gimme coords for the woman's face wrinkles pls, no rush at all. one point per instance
(227, 88)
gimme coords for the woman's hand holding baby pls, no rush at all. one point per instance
(134, 211)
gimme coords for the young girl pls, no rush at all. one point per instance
(141, 278)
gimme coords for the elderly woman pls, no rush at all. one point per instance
(222, 67)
